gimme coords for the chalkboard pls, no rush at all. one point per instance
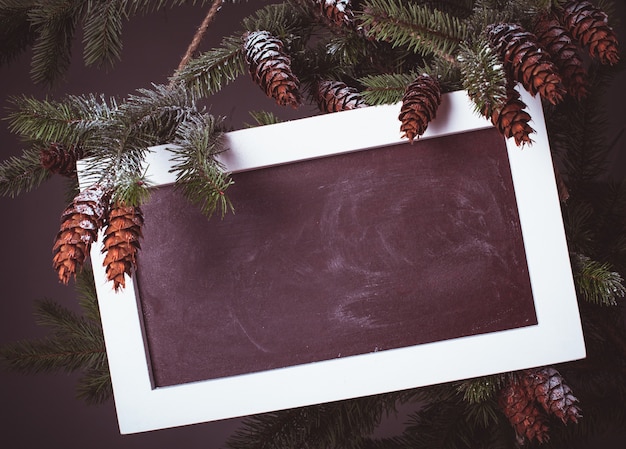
(332, 257)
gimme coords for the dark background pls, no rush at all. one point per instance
(41, 411)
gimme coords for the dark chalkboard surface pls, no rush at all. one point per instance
(342, 255)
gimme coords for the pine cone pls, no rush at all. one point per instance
(334, 96)
(419, 106)
(337, 12)
(548, 387)
(512, 120)
(121, 243)
(589, 26)
(59, 159)
(80, 223)
(270, 68)
(523, 413)
(525, 61)
(555, 38)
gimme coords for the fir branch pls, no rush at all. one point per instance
(263, 118)
(343, 424)
(198, 173)
(212, 70)
(578, 220)
(286, 20)
(132, 191)
(95, 387)
(419, 28)
(55, 22)
(153, 115)
(481, 389)
(50, 355)
(75, 343)
(16, 34)
(385, 88)
(87, 296)
(483, 77)
(458, 8)
(67, 122)
(596, 282)
(22, 174)
(65, 324)
(102, 36)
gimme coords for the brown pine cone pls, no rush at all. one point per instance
(556, 39)
(121, 243)
(334, 96)
(270, 68)
(419, 106)
(525, 61)
(589, 26)
(336, 12)
(523, 413)
(80, 223)
(59, 159)
(549, 388)
(512, 119)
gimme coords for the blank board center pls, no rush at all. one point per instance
(333, 257)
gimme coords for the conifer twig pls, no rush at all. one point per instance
(200, 32)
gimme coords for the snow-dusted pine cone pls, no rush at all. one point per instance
(419, 106)
(556, 39)
(270, 68)
(589, 26)
(337, 12)
(60, 159)
(523, 413)
(512, 120)
(525, 61)
(121, 243)
(334, 96)
(80, 223)
(548, 387)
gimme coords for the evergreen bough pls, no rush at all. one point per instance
(380, 50)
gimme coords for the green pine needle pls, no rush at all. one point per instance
(102, 33)
(16, 34)
(22, 174)
(263, 118)
(419, 28)
(75, 343)
(344, 424)
(385, 88)
(213, 70)
(55, 23)
(483, 77)
(198, 173)
(282, 20)
(480, 389)
(596, 282)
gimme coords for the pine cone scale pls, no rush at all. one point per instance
(121, 243)
(589, 26)
(80, 223)
(419, 106)
(270, 68)
(525, 61)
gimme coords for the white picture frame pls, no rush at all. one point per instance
(556, 338)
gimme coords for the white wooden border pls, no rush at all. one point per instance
(557, 337)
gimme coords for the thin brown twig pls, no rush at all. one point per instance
(200, 32)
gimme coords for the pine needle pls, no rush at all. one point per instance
(22, 174)
(198, 174)
(596, 282)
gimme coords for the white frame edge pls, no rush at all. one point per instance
(558, 333)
